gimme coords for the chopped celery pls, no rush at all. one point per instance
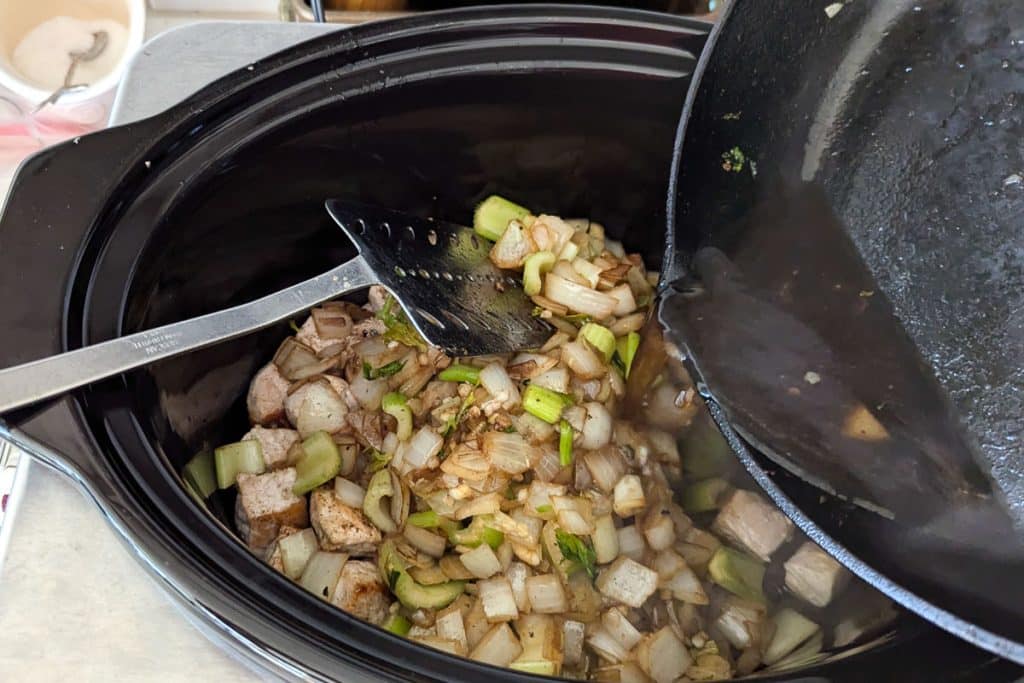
(564, 443)
(320, 462)
(544, 509)
(600, 337)
(476, 533)
(394, 405)
(460, 373)
(492, 537)
(494, 214)
(370, 372)
(705, 451)
(544, 403)
(705, 495)
(625, 351)
(296, 551)
(738, 573)
(378, 489)
(428, 519)
(397, 624)
(533, 268)
(538, 667)
(238, 458)
(200, 474)
(416, 596)
(577, 551)
(378, 460)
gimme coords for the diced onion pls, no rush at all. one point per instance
(500, 386)
(565, 270)
(349, 493)
(624, 301)
(483, 505)
(606, 647)
(606, 467)
(628, 496)
(577, 297)
(597, 428)
(517, 573)
(423, 446)
(498, 599)
(634, 322)
(582, 360)
(533, 429)
(316, 407)
(620, 628)
(572, 641)
(296, 551)
(588, 271)
(425, 540)
(499, 647)
(331, 321)
(293, 358)
(321, 573)
(509, 452)
(549, 466)
(659, 530)
(556, 379)
(631, 542)
(686, 586)
(573, 514)
(546, 594)
(481, 562)
(662, 656)
(605, 539)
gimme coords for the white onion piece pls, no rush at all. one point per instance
(481, 562)
(499, 647)
(424, 445)
(546, 594)
(541, 364)
(597, 428)
(628, 496)
(605, 539)
(296, 551)
(500, 386)
(631, 542)
(517, 573)
(549, 465)
(425, 540)
(582, 361)
(483, 505)
(662, 656)
(450, 625)
(508, 452)
(539, 497)
(624, 301)
(512, 247)
(620, 628)
(659, 530)
(321, 573)
(349, 492)
(617, 384)
(686, 586)
(576, 416)
(606, 646)
(331, 321)
(498, 599)
(292, 356)
(556, 379)
(590, 272)
(368, 392)
(533, 429)
(634, 322)
(572, 641)
(468, 464)
(606, 467)
(316, 406)
(577, 297)
(565, 270)
(573, 514)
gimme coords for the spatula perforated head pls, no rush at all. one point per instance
(440, 274)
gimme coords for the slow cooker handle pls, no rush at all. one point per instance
(54, 204)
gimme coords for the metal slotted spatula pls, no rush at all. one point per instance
(439, 273)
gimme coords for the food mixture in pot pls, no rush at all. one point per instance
(569, 510)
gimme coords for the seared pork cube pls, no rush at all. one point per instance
(309, 336)
(752, 523)
(274, 443)
(340, 527)
(266, 396)
(265, 504)
(361, 593)
(814, 576)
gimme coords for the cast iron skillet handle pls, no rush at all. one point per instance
(55, 202)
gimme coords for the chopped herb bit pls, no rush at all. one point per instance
(577, 551)
(399, 328)
(369, 372)
(733, 160)
(294, 325)
(732, 116)
(453, 422)
(378, 460)
(544, 509)
(460, 373)
(564, 443)
(509, 430)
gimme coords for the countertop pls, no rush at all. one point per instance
(74, 603)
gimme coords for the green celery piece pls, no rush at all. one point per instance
(416, 596)
(704, 495)
(238, 458)
(738, 573)
(460, 373)
(493, 215)
(625, 351)
(320, 462)
(398, 625)
(200, 474)
(544, 403)
(564, 443)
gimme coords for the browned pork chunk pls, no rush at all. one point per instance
(814, 576)
(274, 443)
(266, 503)
(340, 527)
(752, 523)
(266, 396)
(361, 593)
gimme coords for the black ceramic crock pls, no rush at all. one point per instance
(219, 200)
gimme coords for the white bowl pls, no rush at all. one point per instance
(18, 17)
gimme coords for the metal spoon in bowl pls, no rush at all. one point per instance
(99, 44)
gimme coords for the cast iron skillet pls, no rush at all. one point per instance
(877, 146)
(219, 200)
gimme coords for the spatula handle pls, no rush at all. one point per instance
(29, 383)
